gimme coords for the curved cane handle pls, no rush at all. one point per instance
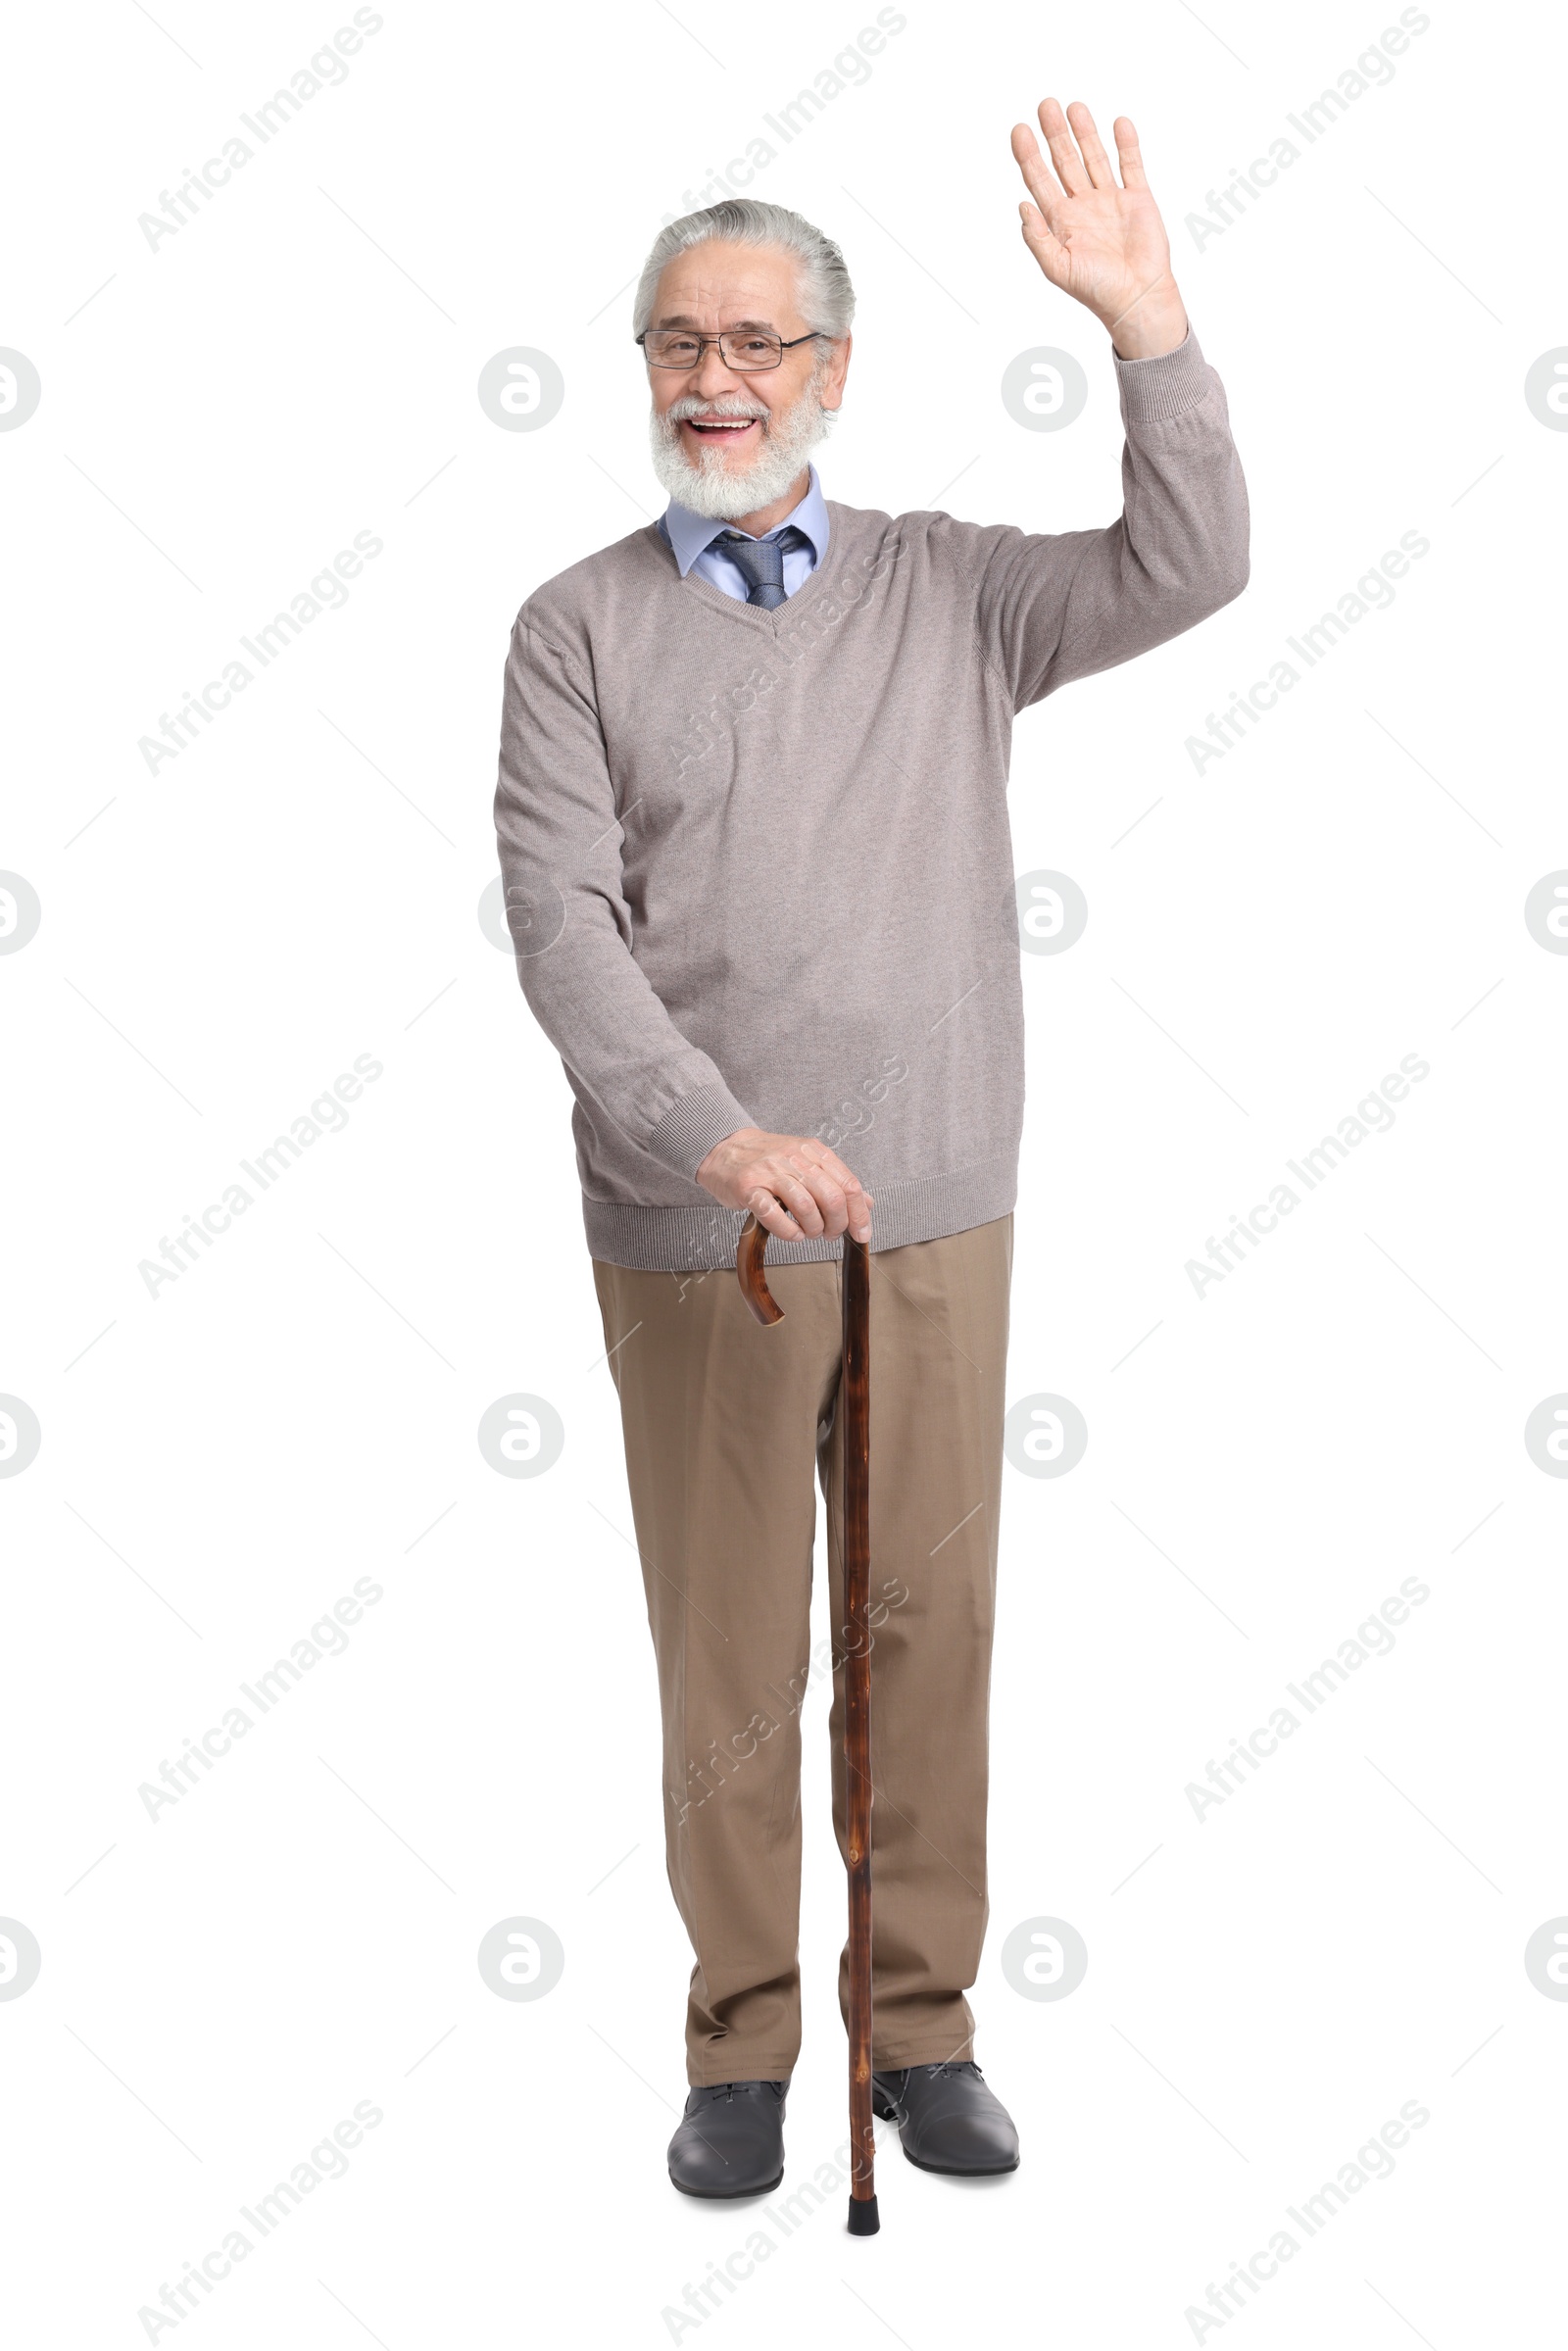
(753, 1282)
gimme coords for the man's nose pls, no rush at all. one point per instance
(712, 380)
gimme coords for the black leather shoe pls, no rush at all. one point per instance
(731, 2139)
(947, 2120)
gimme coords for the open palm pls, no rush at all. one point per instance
(1101, 241)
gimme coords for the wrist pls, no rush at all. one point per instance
(1151, 325)
(710, 1165)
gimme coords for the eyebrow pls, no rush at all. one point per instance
(735, 326)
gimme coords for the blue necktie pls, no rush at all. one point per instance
(760, 563)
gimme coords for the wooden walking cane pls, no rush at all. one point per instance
(854, 1405)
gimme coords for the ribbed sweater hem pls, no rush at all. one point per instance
(701, 1240)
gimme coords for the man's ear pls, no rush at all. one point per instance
(838, 369)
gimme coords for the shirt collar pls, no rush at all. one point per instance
(690, 534)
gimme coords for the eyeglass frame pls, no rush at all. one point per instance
(812, 335)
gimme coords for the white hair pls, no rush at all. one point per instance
(827, 298)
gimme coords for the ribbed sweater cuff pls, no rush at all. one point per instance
(1153, 391)
(690, 1128)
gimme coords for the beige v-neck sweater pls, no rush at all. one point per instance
(756, 864)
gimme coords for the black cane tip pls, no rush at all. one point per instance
(863, 2216)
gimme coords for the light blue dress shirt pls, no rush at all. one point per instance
(691, 541)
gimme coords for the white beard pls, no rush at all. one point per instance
(712, 487)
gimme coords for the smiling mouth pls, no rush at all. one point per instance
(714, 427)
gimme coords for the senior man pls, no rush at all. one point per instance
(753, 826)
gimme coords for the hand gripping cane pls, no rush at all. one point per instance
(854, 1405)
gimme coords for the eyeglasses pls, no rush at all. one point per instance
(745, 350)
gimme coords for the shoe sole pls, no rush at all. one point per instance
(724, 2195)
(950, 2170)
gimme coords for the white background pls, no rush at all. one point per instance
(301, 886)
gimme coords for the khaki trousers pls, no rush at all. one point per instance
(727, 1427)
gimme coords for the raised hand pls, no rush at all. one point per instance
(1102, 242)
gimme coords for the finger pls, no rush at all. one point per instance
(1064, 149)
(1128, 154)
(775, 1219)
(1094, 153)
(1039, 178)
(826, 1191)
(1048, 252)
(789, 1184)
(856, 1199)
(820, 1156)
